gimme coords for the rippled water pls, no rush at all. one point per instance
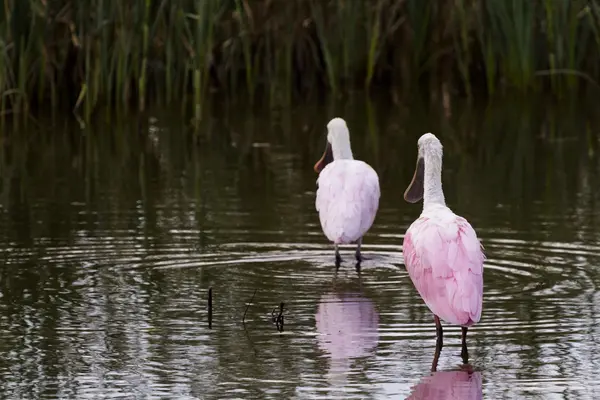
(111, 238)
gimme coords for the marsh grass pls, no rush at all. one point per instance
(114, 55)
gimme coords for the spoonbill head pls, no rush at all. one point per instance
(337, 146)
(348, 191)
(430, 149)
(442, 253)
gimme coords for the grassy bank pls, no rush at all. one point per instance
(86, 54)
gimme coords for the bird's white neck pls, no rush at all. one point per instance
(432, 185)
(340, 145)
(341, 150)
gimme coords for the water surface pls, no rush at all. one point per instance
(111, 237)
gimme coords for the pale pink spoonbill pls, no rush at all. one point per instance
(442, 254)
(347, 193)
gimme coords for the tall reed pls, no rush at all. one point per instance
(117, 55)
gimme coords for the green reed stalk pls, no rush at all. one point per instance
(203, 44)
(419, 19)
(89, 98)
(170, 46)
(289, 80)
(318, 17)
(574, 41)
(22, 78)
(142, 80)
(593, 18)
(374, 43)
(551, 41)
(350, 15)
(245, 35)
(273, 58)
(489, 53)
(462, 45)
(115, 53)
(38, 80)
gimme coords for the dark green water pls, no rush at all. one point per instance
(110, 238)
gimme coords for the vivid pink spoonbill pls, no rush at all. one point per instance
(441, 251)
(347, 193)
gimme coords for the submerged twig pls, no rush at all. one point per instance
(248, 306)
(210, 307)
(250, 340)
(278, 320)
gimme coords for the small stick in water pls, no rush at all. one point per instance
(210, 307)
(248, 306)
(279, 321)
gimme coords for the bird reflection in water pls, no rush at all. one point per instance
(347, 326)
(462, 383)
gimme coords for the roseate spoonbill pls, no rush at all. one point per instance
(442, 254)
(347, 193)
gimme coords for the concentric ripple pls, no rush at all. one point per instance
(345, 334)
(104, 285)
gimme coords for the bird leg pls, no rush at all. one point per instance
(439, 332)
(338, 258)
(436, 357)
(358, 255)
(464, 353)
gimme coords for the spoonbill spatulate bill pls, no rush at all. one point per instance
(348, 191)
(442, 253)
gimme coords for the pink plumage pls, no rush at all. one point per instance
(441, 251)
(347, 200)
(444, 260)
(348, 191)
(449, 385)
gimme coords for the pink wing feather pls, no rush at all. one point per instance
(445, 262)
(347, 200)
